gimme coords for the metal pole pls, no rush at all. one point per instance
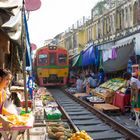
(23, 44)
(23, 38)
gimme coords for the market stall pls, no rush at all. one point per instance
(113, 92)
(107, 90)
(18, 123)
(47, 110)
(21, 119)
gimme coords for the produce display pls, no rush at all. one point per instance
(122, 90)
(38, 110)
(106, 94)
(95, 99)
(52, 113)
(113, 84)
(102, 90)
(107, 90)
(82, 135)
(59, 130)
(52, 104)
(39, 113)
(46, 99)
(19, 121)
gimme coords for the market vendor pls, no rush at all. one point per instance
(135, 91)
(5, 79)
(79, 84)
(127, 77)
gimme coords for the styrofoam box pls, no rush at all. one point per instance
(37, 131)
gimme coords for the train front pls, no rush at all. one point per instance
(52, 66)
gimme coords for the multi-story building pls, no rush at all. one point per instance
(118, 26)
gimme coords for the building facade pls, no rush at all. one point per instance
(119, 22)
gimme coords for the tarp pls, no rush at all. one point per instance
(121, 61)
(13, 20)
(77, 61)
(88, 56)
(10, 3)
(28, 46)
(97, 57)
(12, 25)
(74, 60)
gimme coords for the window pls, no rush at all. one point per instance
(62, 58)
(43, 58)
(52, 58)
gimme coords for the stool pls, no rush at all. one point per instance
(137, 114)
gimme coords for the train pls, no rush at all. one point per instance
(51, 66)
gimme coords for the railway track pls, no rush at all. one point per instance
(85, 117)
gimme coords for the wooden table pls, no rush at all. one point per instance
(80, 95)
(106, 107)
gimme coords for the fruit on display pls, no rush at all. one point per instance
(52, 113)
(18, 120)
(48, 98)
(82, 135)
(114, 84)
(59, 131)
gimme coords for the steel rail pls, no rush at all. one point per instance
(68, 118)
(130, 135)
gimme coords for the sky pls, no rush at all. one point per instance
(56, 16)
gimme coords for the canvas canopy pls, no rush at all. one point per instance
(121, 61)
(88, 56)
(77, 61)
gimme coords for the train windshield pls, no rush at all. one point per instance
(62, 58)
(43, 58)
(52, 58)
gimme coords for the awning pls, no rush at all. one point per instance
(120, 63)
(28, 47)
(13, 19)
(77, 61)
(97, 57)
(117, 44)
(13, 26)
(123, 43)
(10, 3)
(88, 56)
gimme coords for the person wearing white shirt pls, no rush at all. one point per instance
(79, 84)
(135, 92)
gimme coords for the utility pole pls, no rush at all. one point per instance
(23, 36)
